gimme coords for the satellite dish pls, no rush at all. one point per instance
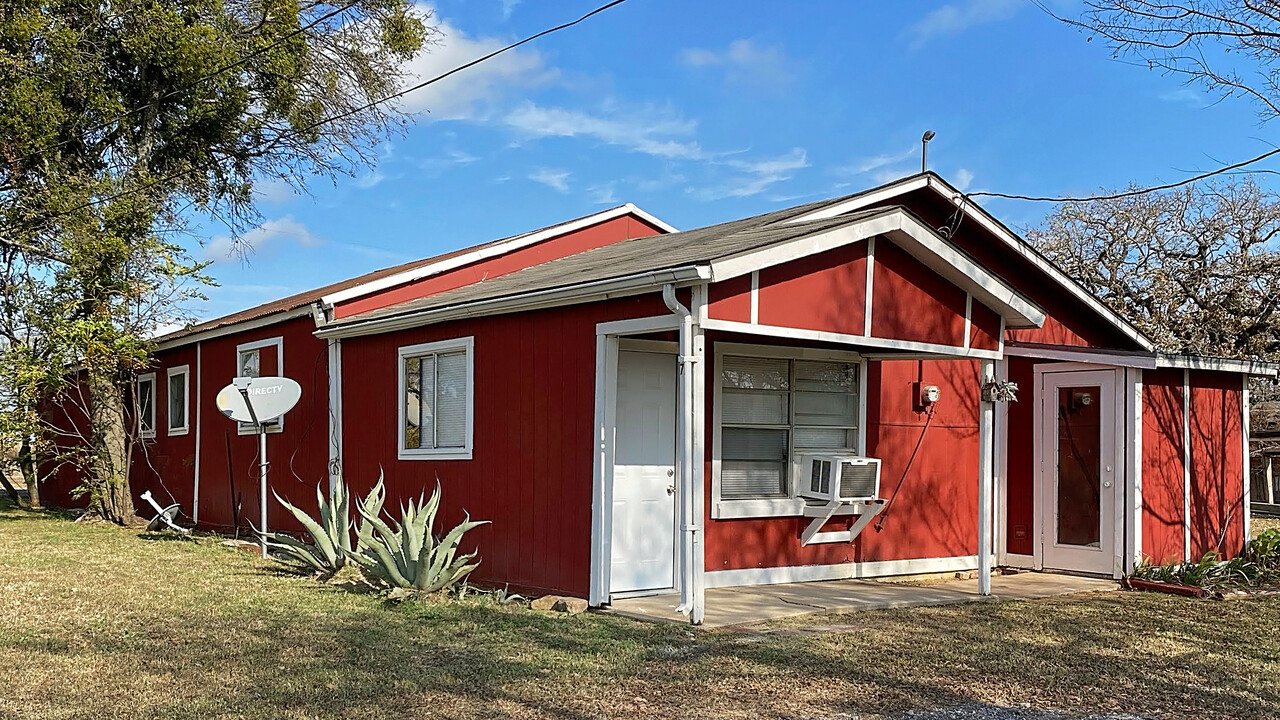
(271, 398)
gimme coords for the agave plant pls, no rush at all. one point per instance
(331, 532)
(408, 555)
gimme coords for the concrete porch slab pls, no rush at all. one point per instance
(761, 603)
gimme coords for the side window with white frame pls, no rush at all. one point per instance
(145, 395)
(178, 403)
(258, 359)
(436, 400)
(774, 406)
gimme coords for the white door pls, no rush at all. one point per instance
(644, 505)
(1079, 470)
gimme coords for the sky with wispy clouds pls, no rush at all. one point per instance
(701, 112)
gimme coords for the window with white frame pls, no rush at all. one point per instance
(436, 400)
(145, 393)
(177, 405)
(771, 409)
(251, 361)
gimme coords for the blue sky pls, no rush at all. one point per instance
(705, 111)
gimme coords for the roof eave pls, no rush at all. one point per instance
(520, 302)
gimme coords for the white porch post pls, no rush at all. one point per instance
(691, 577)
(986, 465)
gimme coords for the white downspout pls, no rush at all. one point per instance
(986, 471)
(691, 595)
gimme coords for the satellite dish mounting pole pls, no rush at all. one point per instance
(262, 468)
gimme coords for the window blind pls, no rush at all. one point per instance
(436, 400)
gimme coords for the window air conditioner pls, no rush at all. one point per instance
(839, 478)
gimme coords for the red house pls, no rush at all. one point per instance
(814, 393)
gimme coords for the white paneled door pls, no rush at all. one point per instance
(644, 482)
(1080, 470)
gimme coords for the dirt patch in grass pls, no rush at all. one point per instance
(101, 622)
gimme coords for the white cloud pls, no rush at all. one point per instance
(603, 194)
(476, 91)
(509, 6)
(876, 162)
(955, 18)
(746, 63)
(370, 179)
(275, 192)
(756, 176)
(1186, 96)
(962, 179)
(651, 131)
(555, 179)
(268, 233)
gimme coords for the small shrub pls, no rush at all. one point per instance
(330, 533)
(408, 555)
(1257, 565)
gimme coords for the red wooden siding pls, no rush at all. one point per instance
(1020, 470)
(984, 333)
(1070, 321)
(730, 299)
(605, 233)
(935, 514)
(531, 475)
(165, 465)
(1217, 486)
(912, 302)
(826, 291)
(1162, 466)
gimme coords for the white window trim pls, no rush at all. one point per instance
(772, 507)
(185, 372)
(277, 342)
(463, 453)
(143, 378)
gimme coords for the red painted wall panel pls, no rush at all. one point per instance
(1070, 322)
(935, 514)
(730, 299)
(531, 475)
(1162, 466)
(1217, 485)
(824, 292)
(984, 332)
(912, 302)
(1020, 531)
(605, 233)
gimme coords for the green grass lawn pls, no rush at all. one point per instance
(101, 622)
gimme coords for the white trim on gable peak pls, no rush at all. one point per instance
(490, 251)
(917, 239)
(975, 212)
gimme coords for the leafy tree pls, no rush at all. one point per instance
(1196, 268)
(123, 120)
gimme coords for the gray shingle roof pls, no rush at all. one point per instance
(633, 257)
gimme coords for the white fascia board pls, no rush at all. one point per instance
(584, 292)
(1196, 362)
(913, 236)
(254, 324)
(1150, 361)
(515, 243)
(975, 212)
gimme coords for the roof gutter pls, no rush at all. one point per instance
(573, 294)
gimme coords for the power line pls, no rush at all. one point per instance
(348, 113)
(1130, 193)
(199, 81)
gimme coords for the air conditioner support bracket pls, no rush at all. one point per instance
(866, 512)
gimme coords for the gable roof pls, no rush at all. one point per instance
(301, 303)
(971, 210)
(712, 253)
